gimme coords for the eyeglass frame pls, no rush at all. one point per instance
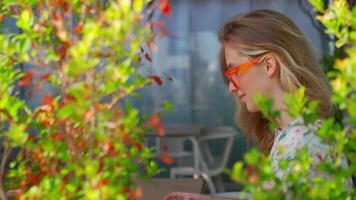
(239, 69)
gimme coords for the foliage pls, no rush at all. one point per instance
(257, 173)
(83, 141)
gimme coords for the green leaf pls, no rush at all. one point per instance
(317, 4)
(152, 168)
(310, 114)
(25, 45)
(238, 172)
(252, 157)
(167, 106)
(25, 20)
(66, 111)
(138, 5)
(17, 134)
(51, 56)
(295, 102)
(264, 104)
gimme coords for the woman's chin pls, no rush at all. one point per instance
(252, 108)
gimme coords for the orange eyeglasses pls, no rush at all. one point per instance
(239, 69)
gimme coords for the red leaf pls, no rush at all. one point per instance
(152, 46)
(136, 194)
(89, 115)
(26, 79)
(97, 106)
(5, 112)
(138, 19)
(60, 136)
(148, 57)
(109, 147)
(157, 79)
(57, 2)
(126, 190)
(166, 8)
(253, 179)
(56, 15)
(61, 4)
(166, 33)
(34, 178)
(31, 137)
(138, 146)
(45, 77)
(47, 100)
(155, 122)
(127, 139)
(252, 174)
(15, 10)
(62, 50)
(103, 181)
(157, 25)
(160, 130)
(249, 170)
(78, 28)
(67, 99)
(167, 159)
(3, 174)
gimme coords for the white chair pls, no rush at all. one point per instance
(173, 147)
(173, 144)
(210, 166)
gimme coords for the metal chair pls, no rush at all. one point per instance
(173, 144)
(210, 166)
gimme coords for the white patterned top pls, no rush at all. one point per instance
(294, 137)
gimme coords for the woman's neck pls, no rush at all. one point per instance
(284, 119)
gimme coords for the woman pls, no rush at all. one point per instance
(264, 52)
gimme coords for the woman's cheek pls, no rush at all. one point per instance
(241, 81)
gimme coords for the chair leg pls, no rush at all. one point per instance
(172, 173)
(209, 182)
(219, 184)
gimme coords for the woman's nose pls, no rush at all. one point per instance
(232, 87)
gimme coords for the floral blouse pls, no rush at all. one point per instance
(296, 136)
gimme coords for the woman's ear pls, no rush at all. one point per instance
(271, 65)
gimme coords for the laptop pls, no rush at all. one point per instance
(157, 188)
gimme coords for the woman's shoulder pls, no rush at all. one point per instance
(296, 136)
(300, 133)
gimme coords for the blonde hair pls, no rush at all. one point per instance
(270, 31)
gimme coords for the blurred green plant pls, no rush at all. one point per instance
(257, 174)
(83, 141)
